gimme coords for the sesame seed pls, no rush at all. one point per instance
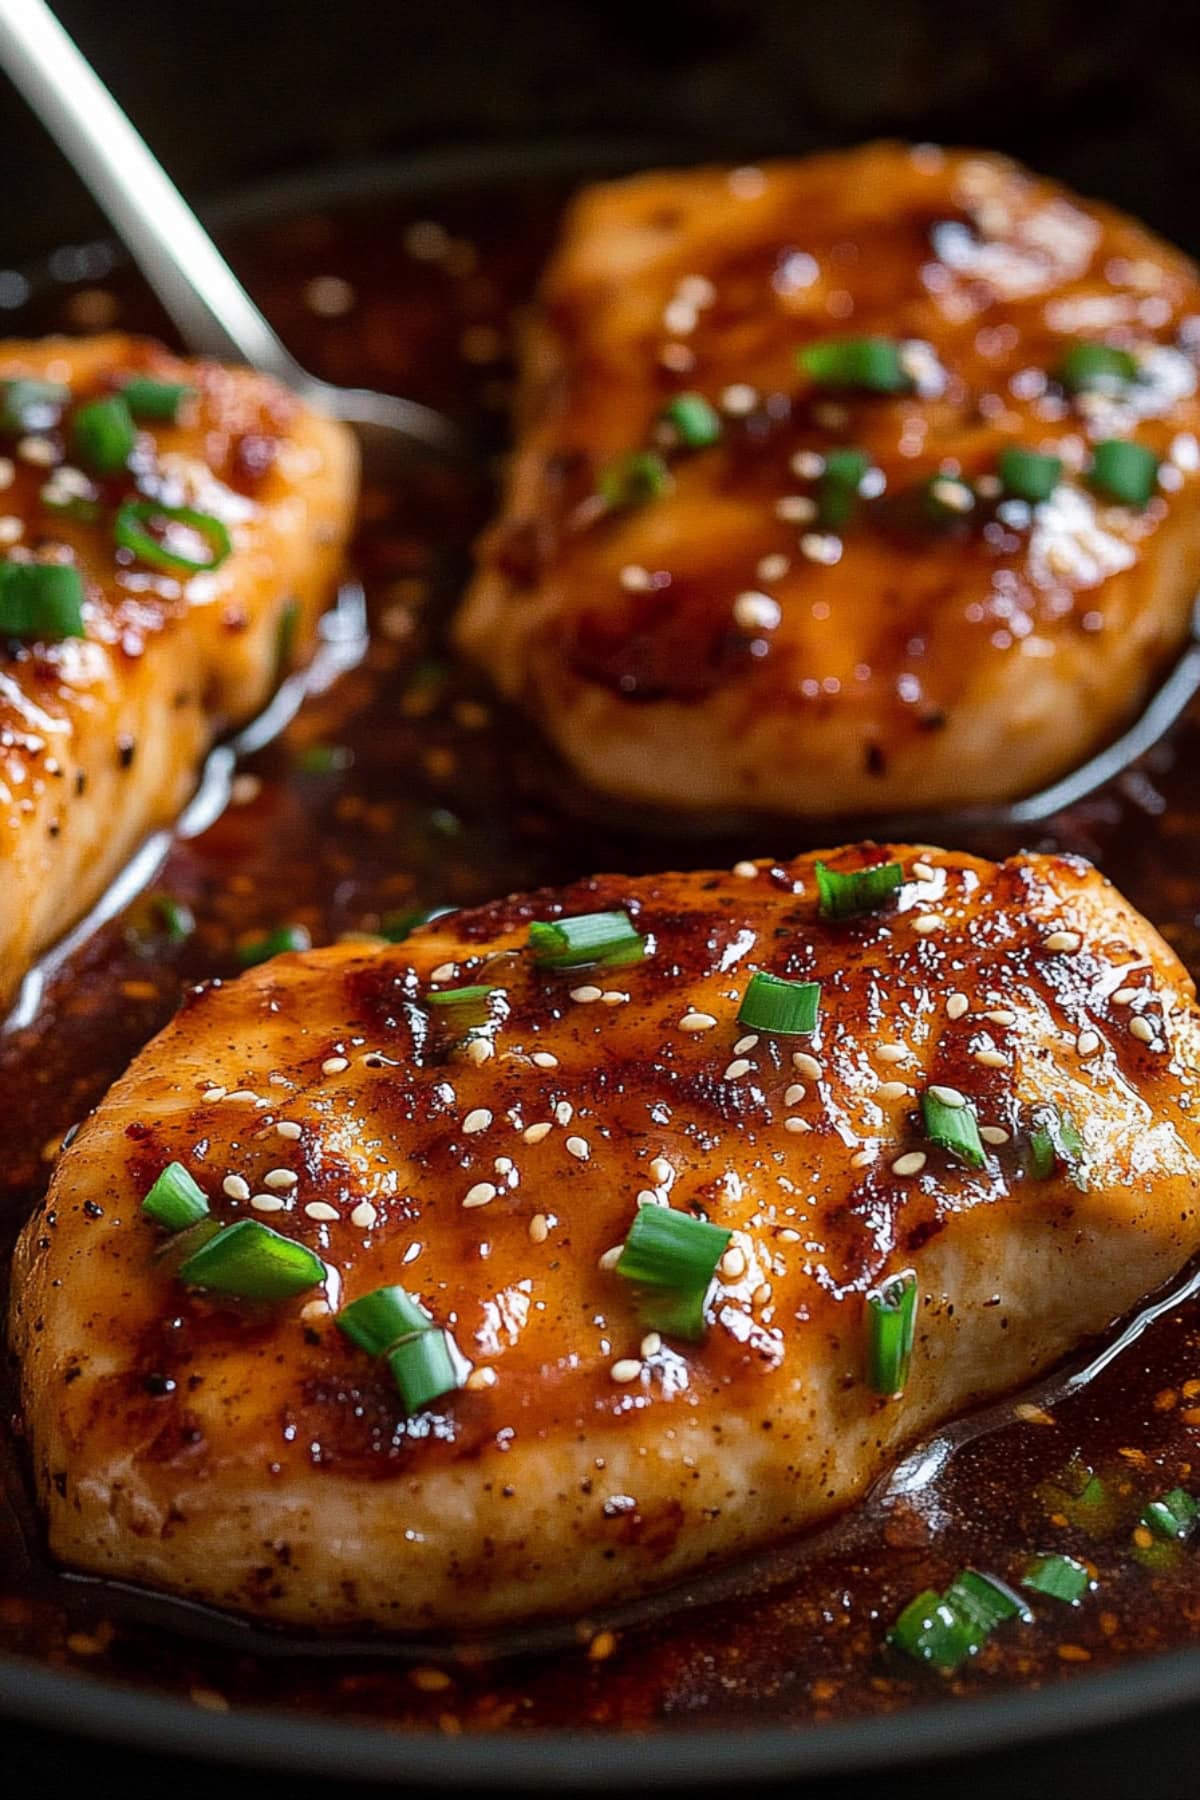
(287, 1128)
(320, 1209)
(634, 579)
(809, 465)
(1087, 1043)
(909, 1164)
(795, 1124)
(739, 399)
(236, 1188)
(579, 1148)
(611, 1257)
(478, 1119)
(733, 1263)
(243, 1094)
(661, 1171)
(543, 1059)
(947, 1096)
(614, 997)
(281, 1179)
(990, 1059)
(628, 1369)
(38, 450)
(891, 1090)
(697, 1021)
(1125, 996)
(761, 1294)
(651, 1344)
(652, 1197)
(754, 611)
(738, 1067)
(444, 972)
(1062, 940)
(788, 1236)
(539, 1228)
(480, 1050)
(954, 495)
(1142, 1029)
(746, 870)
(821, 547)
(213, 1094)
(994, 1134)
(481, 1194)
(891, 1053)
(364, 1216)
(806, 1064)
(795, 1094)
(334, 1065)
(483, 1377)
(267, 1203)
(564, 1112)
(315, 1309)
(503, 1165)
(772, 568)
(923, 871)
(928, 923)
(796, 509)
(957, 1005)
(533, 1134)
(1001, 1016)
(746, 1043)
(862, 1159)
(584, 996)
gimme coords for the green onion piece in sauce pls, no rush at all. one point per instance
(1054, 1139)
(839, 486)
(378, 1320)
(178, 920)
(675, 1256)
(872, 365)
(984, 1602)
(1062, 1578)
(891, 1330)
(1173, 1517)
(944, 1630)
(397, 926)
(40, 603)
(169, 549)
(421, 1355)
(176, 1201)
(29, 405)
(605, 937)
(846, 894)
(634, 479)
(1096, 369)
(1028, 475)
(1124, 471)
(275, 943)
(157, 400)
(103, 435)
(950, 1122)
(424, 1368)
(249, 1261)
(460, 996)
(694, 420)
(787, 1008)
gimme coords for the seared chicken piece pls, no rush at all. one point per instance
(101, 734)
(753, 619)
(489, 1155)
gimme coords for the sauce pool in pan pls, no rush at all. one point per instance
(403, 786)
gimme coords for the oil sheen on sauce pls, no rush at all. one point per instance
(403, 786)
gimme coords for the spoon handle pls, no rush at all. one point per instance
(208, 304)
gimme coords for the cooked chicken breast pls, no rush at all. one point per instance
(709, 602)
(101, 734)
(489, 1156)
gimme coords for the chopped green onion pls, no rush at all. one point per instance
(40, 603)
(668, 1248)
(275, 943)
(871, 365)
(1172, 1517)
(843, 895)
(1061, 1577)
(249, 1261)
(607, 937)
(1124, 471)
(838, 488)
(676, 1315)
(178, 920)
(461, 996)
(424, 1368)
(1097, 369)
(952, 1125)
(984, 1602)
(176, 1200)
(29, 405)
(323, 759)
(1027, 475)
(380, 1319)
(696, 423)
(104, 435)
(163, 553)
(891, 1330)
(1054, 1139)
(159, 400)
(931, 1631)
(788, 1008)
(634, 479)
(396, 926)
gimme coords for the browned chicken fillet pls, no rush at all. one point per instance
(758, 623)
(101, 735)
(250, 1455)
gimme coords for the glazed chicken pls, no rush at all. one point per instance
(198, 515)
(989, 1106)
(857, 485)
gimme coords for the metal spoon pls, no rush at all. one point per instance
(213, 312)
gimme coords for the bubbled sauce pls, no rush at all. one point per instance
(440, 797)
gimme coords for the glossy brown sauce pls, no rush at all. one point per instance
(405, 786)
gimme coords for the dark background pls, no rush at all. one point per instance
(1106, 96)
